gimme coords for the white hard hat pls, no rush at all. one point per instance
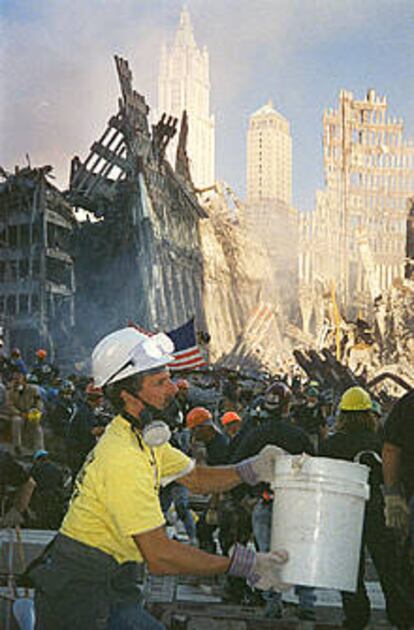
(126, 352)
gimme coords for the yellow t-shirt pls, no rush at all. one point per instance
(116, 492)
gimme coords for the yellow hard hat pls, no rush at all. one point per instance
(355, 399)
(34, 415)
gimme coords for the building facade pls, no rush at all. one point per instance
(356, 238)
(269, 214)
(184, 84)
(37, 281)
(269, 157)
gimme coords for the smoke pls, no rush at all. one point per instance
(60, 87)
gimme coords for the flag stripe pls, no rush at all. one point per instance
(181, 365)
(187, 354)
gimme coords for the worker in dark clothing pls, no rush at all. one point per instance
(278, 430)
(60, 416)
(200, 422)
(44, 371)
(86, 427)
(234, 519)
(398, 468)
(356, 438)
(235, 428)
(309, 417)
(48, 500)
(13, 474)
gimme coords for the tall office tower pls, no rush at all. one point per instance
(269, 213)
(269, 157)
(357, 235)
(184, 84)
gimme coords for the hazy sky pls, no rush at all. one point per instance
(59, 85)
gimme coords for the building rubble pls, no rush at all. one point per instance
(153, 250)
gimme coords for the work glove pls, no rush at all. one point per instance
(261, 467)
(12, 518)
(261, 570)
(397, 513)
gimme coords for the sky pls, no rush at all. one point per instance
(58, 84)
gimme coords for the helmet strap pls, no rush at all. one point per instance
(147, 415)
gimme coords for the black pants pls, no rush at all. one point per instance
(77, 586)
(386, 557)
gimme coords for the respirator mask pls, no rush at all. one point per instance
(155, 432)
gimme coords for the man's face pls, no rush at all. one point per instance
(232, 428)
(158, 389)
(182, 394)
(203, 433)
(95, 401)
(18, 379)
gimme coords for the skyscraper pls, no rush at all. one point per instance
(269, 157)
(357, 235)
(269, 213)
(184, 83)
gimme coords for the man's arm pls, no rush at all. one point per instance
(391, 464)
(206, 479)
(253, 470)
(25, 494)
(169, 557)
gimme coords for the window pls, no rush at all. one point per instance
(35, 302)
(23, 304)
(24, 268)
(12, 235)
(11, 305)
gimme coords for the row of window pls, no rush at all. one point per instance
(21, 304)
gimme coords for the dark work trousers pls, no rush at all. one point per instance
(384, 552)
(78, 587)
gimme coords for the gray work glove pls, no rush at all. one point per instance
(13, 518)
(261, 467)
(397, 513)
(261, 570)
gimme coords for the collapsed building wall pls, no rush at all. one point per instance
(356, 237)
(141, 259)
(150, 250)
(37, 283)
(242, 311)
(409, 266)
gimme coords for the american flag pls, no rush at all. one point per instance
(187, 354)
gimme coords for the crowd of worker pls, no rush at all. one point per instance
(49, 423)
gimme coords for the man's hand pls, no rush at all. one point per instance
(397, 513)
(13, 518)
(261, 467)
(261, 570)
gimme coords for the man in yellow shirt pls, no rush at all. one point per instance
(88, 578)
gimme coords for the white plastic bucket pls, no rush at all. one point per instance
(318, 515)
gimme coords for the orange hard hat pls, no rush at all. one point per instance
(41, 353)
(182, 383)
(197, 416)
(92, 390)
(229, 417)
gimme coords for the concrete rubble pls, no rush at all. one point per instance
(151, 250)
